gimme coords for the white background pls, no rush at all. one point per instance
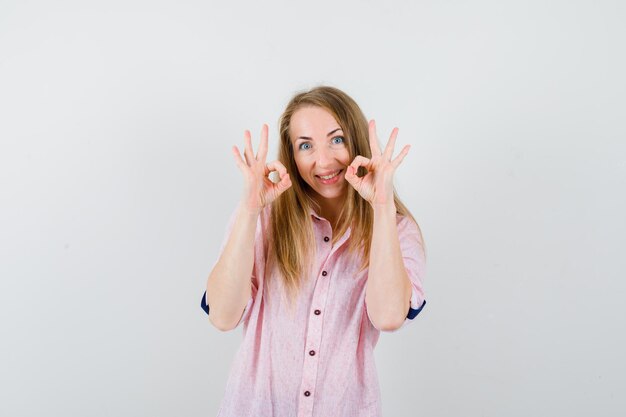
(116, 182)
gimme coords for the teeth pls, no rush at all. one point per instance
(330, 176)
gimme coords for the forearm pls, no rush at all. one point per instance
(228, 285)
(388, 289)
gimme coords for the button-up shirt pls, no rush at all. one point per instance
(316, 360)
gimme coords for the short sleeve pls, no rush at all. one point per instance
(413, 255)
(253, 281)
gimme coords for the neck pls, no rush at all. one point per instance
(330, 208)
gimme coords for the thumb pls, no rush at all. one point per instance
(351, 176)
(285, 183)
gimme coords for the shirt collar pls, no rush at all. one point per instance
(314, 214)
(345, 236)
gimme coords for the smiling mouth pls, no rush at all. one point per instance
(328, 177)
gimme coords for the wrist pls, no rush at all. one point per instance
(388, 207)
(248, 210)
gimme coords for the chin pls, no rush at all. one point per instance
(332, 194)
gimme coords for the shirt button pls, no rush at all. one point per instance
(317, 312)
(312, 352)
(326, 239)
(324, 273)
(307, 393)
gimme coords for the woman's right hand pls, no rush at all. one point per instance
(259, 190)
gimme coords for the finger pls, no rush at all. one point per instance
(373, 138)
(275, 166)
(398, 159)
(359, 161)
(351, 176)
(284, 183)
(391, 144)
(238, 160)
(248, 153)
(262, 153)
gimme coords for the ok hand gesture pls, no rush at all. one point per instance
(259, 190)
(376, 186)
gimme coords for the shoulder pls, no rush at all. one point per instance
(409, 231)
(266, 215)
(264, 223)
(405, 223)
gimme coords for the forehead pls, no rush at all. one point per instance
(312, 121)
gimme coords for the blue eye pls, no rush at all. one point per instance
(337, 140)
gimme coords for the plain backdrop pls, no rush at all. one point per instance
(117, 179)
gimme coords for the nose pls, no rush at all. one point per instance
(325, 157)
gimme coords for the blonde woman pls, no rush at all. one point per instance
(315, 265)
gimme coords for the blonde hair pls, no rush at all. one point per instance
(292, 240)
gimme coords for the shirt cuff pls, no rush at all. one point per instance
(415, 306)
(203, 304)
(246, 310)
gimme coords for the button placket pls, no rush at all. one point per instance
(314, 337)
(314, 331)
(313, 340)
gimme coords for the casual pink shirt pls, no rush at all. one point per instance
(320, 361)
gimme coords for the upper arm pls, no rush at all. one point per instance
(257, 268)
(414, 258)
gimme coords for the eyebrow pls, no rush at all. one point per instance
(308, 138)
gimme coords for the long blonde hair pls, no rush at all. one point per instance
(292, 240)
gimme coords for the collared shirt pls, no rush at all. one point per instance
(318, 360)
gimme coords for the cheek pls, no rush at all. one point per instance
(346, 157)
(301, 165)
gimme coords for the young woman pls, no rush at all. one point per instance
(315, 265)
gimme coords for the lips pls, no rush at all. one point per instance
(335, 179)
(333, 173)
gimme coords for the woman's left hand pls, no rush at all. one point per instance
(376, 186)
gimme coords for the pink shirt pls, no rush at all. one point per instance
(319, 362)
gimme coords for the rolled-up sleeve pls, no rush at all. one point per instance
(414, 257)
(246, 312)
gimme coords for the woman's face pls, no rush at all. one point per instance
(320, 150)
